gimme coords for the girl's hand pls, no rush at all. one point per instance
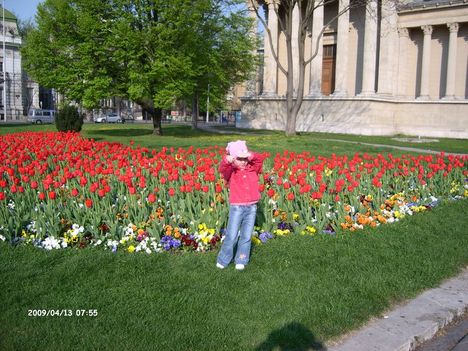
(229, 158)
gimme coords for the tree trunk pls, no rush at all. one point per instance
(157, 116)
(195, 111)
(147, 106)
(291, 112)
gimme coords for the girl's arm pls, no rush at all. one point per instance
(226, 168)
(256, 160)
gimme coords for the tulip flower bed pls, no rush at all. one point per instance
(60, 190)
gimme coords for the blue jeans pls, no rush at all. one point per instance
(239, 230)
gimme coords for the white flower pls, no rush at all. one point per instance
(2, 238)
(50, 243)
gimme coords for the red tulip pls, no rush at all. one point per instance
(151, 198)
(89, 203)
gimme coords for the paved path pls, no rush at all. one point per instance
(409, 325)
(452, 338)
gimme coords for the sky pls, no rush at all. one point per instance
(23, 9)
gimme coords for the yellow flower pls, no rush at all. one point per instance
(256, 240)
(131, 248)
(282, 232)
(398, 214)
(295, 216)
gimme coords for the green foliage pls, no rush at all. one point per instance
(68, 119)
(154, 52)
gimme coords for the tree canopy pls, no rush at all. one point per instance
(153, 52)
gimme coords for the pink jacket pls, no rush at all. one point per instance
(243, 183)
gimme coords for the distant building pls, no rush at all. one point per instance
(384, 68)
(21, 92)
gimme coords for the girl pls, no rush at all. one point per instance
(240, 169)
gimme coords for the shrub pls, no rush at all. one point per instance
(68, 119)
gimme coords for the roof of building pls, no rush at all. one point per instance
(423, 4)
(8, 15)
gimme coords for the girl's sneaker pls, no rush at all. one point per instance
(219, 265)
(240, 266)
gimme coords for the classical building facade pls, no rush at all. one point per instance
(21, 93)
(382, 68)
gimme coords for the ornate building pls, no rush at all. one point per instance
(21, 93)
(382, 68)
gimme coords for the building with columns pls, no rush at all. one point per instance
(381, 68)
(19, 91)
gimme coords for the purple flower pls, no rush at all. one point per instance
(265, 236)
(285, 226)
(169, 242)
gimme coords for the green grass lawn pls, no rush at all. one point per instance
(273, 141)
(297, 292)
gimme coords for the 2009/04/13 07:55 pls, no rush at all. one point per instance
(62, 313)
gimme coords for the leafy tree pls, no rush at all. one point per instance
(24, 27)
(147, 50)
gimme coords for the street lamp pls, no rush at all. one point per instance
(208, 104)
(4, 62)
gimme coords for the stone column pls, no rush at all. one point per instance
(270, 66)
(341, 75)
(426, 63)
(388, 60)
(402, 75)
(370, 49)
(315, 82)
(295, 47)
(451, 62)
(251, 85)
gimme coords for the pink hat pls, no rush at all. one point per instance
(237, 148)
